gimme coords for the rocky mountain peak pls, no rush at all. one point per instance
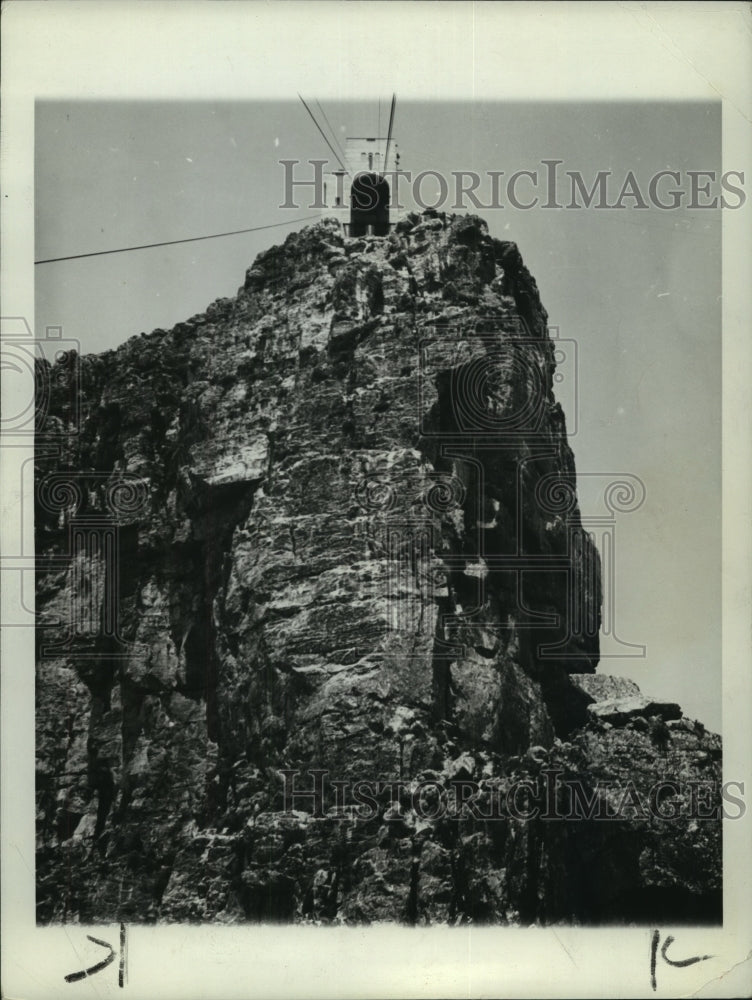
(332, 604)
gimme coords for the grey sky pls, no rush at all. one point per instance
(639, 291)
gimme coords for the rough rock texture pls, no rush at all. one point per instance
(331, 526)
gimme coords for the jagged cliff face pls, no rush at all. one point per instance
(331, 525)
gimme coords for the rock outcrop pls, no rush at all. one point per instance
(319, 619)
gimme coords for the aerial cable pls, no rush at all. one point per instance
(334, 134)
(323, 136)
(169, 243)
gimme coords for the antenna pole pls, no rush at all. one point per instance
(389, 134)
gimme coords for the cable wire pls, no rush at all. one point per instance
(170, 243)
(323, 136)
(334, 134)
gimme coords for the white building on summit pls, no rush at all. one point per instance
(359, 195)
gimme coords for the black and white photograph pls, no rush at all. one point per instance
(375, 447)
